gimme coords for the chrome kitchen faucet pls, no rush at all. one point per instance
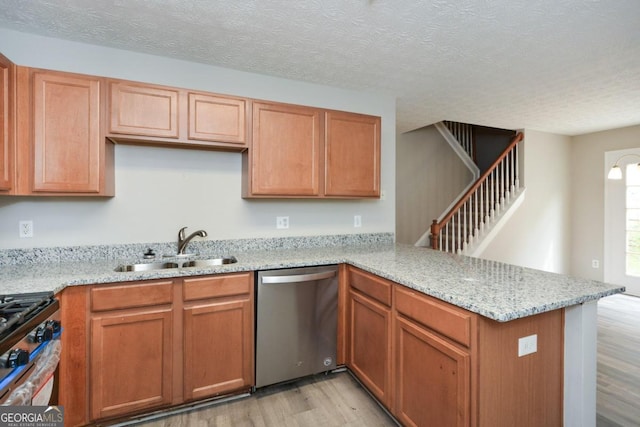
(183, 242)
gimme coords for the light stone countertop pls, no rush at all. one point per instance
(495, 290)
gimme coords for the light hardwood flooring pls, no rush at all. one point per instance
(324, 400)
(618, 398)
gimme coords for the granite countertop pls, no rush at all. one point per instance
(495, 290)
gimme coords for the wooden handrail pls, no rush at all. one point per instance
(436, 226)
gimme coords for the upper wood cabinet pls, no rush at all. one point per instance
(285, 151)
(307, 152)
(352, 155)
(138, 109)
(7, 87)
(59, 135)
(217, 118)
(160, 115)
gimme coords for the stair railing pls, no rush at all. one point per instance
(463, 132)
(479, 205)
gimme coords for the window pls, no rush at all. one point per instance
(622, 222)
(632, 223)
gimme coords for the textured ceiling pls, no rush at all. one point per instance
(567, 67)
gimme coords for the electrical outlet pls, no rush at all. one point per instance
(282, 222)
(357, 221)
(595, 263)
(527, 345)
(25, 229)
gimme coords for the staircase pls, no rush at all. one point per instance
(476, 214)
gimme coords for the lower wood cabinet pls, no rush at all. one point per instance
(369, 344)
(139, 346)
(433, 386)
(368, 350)
(131, 361)
(434, 364)
(131, 347)
(218, 335)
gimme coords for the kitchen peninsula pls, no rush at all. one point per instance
(481, 295)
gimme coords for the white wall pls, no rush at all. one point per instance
(538, 235)
(588, 181)
(159, 190)
(430, 175)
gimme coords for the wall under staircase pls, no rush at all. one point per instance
(429, 175)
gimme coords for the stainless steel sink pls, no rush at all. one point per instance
(210, 262)
(147, 266)
(151, 266)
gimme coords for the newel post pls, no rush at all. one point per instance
(435, 233)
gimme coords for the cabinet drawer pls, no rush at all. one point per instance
(373, 286)
(444, 318)
(217, 286)
(129, 295)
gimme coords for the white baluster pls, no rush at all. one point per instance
(517, 168)
(508, 177)
(494, 180)
(502, 187)
(459, 240)
(513, 167)
(465, 235)
(446, 240)
(483, 195)
(476, 212)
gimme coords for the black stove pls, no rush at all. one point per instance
(29, 322)
(19, 311)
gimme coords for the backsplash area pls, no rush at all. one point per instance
(135, 251)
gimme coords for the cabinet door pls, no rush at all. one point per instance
(285, 151)
(369, 347)
(217, 118)
(352, 155)
(432, 379)
(218, 348)
(66, 142)
(6, 125)
(137, 109)
(131, 362)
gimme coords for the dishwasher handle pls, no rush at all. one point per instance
(298, 278)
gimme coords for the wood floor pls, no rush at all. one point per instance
(317, 401)
(618, 399)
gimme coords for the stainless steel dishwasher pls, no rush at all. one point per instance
(296, 327)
